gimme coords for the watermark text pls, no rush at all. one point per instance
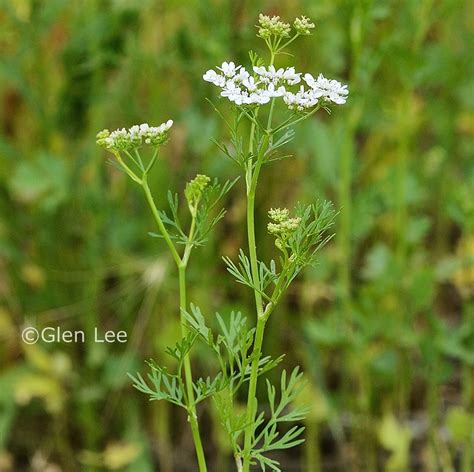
(50, 334)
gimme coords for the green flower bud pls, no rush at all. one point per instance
(195, 188)
(282, 226)
(133, 138)
(101, 138)
(279, 214)
(303, 25)
(272, 26)
(274, 228)
(291, 224)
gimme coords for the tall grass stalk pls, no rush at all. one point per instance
(312, 449)
(357, 31)
(467, 458)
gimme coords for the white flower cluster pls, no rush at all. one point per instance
(137, 135)
(331, 90)
(301, 100)
(280, 76)
(242, 88)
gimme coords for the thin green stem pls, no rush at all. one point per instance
(189, 377)
(467, 459)
(132, 159)
(312, 459)
(140, 162)
(270, 114)
(345, 201)
(278, 290)
(163, 431)
(127, 169)
(152, 161)
(261, 316)
(159, 222)
(253, 120)
(248, 171)
(182, 265)
(287, 43)
(287, 123)
(189, 244)
(251, 401)
(251, 222)
(272, 56)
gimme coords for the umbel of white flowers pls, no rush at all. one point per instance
(134, 137)
(243, 88)
(263, 84)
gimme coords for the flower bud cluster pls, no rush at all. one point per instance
(196, 187)
(282, 225)
(279, 215)
(134, 137)
(303, 25)
(272, 26)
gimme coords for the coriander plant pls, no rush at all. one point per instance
(266, 102)
(129, 149)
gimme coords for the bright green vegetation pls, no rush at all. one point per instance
(381, 327)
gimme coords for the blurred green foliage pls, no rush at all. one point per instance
(383, 327)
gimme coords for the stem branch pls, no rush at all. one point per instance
(181, 265)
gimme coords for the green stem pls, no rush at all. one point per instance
(285, 45)
(181, 264)
(287, 123)
(189, 245)
(254, 120)
(270, 114)
(345, 199)
(132, 159)
(251, 221)
(163, 431)
(312, 458)
(261, 316)
(189, 377)
(251, 401)
(467, 459)
(159, 222)
(127, 169)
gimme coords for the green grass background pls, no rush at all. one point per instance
(383, 327)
